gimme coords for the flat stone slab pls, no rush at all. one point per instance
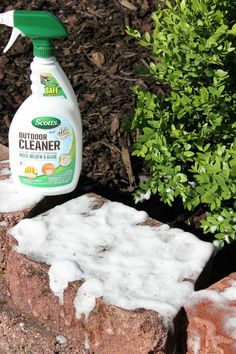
(212, 319)
(108, 327)
(104, 275)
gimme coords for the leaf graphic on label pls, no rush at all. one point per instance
(51, 86)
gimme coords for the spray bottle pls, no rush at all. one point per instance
(45, 137)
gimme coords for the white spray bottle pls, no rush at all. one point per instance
(45, 137)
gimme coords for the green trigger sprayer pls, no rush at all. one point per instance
(45, 137)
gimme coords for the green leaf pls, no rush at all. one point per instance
(208, 198)
(147, 37)
(188, 153)
(233, 30)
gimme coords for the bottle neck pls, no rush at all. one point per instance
(44, 61)
(43, 48)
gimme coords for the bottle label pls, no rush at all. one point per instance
(50, 86)
(46, 152)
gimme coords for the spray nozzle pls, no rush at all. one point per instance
(41, 26)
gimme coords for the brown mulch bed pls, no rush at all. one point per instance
(99, 59)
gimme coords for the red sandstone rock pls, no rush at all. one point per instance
(20, 333)
(115, 330)
(28, 283)
(23, 334)
(108, 330)
(207, 323)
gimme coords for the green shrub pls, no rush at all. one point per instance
(188, 136)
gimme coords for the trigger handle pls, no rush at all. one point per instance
(15, 33)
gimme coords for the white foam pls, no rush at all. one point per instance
(230, 321)
(230, 327)
(220, 297)
(61, 339)
(4, 161)
(206, 294)
(61, 272)
(5, 171)
(86, 342)
(3, 223)
(195, 344)
(221, 300)
(14, 198)
(129, 265)
(230, 292)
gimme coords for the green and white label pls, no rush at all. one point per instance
(51, 87)
(47, 152)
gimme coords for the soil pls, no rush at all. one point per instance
(101, 61)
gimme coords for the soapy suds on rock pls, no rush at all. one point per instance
(131, 266)
(61, 339)
(3, 224)
(86, 342)
(221, 299)
(13, 198)
(5, 171)
(230, 326)
(229, 294)
(195, 344)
